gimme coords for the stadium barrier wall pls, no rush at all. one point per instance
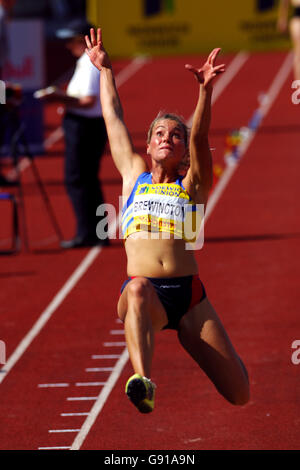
(170, 27)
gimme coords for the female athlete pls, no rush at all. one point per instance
(163, 289)
(293, 25)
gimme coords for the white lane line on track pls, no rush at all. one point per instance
(54, 137)
(82, 398)
(89, 384)
(77, 384)
(137, 63)
(101, 400)
(58, 385)
(106, 356)
(63, 430)
(124, 75)
(55, 448)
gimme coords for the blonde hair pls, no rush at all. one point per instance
(172, 117)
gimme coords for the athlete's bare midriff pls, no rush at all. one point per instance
(159, 258)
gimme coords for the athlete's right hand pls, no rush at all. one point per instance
(96, 51)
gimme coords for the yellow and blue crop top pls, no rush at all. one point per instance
(162, 207)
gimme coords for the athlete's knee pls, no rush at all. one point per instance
(140, 288)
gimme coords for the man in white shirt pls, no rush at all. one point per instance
(85, 137)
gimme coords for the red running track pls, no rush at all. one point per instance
(63, 382)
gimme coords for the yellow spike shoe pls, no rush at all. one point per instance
(141, 392)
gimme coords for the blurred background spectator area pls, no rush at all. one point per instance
(51, 10)
(157, 27)
(55, 14)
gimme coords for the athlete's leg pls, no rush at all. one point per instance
(205, 339)
(142, 313)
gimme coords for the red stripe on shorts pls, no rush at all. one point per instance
(197, 291)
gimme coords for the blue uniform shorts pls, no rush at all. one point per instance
(177, 295)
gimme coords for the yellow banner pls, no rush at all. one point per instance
(167, 27)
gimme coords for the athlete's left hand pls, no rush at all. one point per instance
(209, 70)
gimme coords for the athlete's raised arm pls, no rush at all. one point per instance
(198, 179)
(283, 13)
(127, 161)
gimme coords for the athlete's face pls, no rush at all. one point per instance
(167, 141)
